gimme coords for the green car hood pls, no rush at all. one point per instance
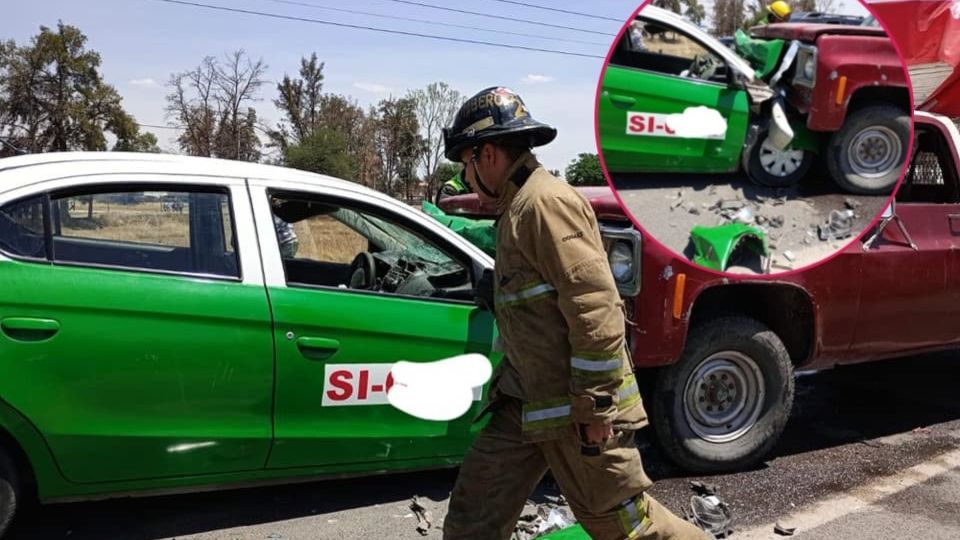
(479, 232)
(763, 54)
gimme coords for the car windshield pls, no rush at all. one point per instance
(390, 237)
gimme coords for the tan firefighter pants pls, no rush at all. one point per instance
(605, 492)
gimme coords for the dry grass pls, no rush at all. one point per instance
(322, 238)
(674, 46)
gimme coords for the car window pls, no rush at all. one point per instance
(21, 228)
(169, 231)
(330, 244)
(931, 177)
(652, 46)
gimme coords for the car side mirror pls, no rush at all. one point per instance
(483, 291)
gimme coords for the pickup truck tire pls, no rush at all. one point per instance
(865, 156)
(770, 167)
(724, 404)
(9, 491)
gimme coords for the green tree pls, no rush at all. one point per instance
(300, 101)
(695, 11)
(324, 151)
(672, 5)
(585, 171)
(53, 97)
(399, 144)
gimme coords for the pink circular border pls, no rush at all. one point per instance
(647, 237)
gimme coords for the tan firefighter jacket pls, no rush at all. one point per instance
(558, 310)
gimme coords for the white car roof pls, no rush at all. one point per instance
(670, 18)
(22, 171)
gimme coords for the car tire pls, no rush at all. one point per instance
(731, 350)
(865, 156)
(778, 169)
(9, 491)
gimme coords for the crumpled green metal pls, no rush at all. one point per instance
(762, 54)
(573, 532)
(479, 232)
(714, 245)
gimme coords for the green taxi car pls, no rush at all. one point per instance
(172, 323)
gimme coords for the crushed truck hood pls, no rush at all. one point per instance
(810, 32)
(928, 36)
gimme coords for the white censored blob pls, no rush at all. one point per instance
(441, 390)
(698, 123)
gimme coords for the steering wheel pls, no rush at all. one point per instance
(363, 271)
(704, 67)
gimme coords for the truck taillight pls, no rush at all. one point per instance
(622, 245)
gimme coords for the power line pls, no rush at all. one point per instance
(558, 10)
(428, 21)
(499, 17)
(382, 30)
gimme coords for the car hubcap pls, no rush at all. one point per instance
(724, 396)
(874, 151)
(779, 163)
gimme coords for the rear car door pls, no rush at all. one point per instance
(911, 296)
(135, 329)
(356, 285)
(657, 70)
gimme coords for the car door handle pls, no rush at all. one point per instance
(29, 328)
(623, 102)
(316, 348)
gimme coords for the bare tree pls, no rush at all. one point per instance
(436, 105)
(827, 6)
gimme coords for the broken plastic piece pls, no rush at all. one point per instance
(423, 516)
(711, 514)
(713, 246)
(838, 227)
(783, 531)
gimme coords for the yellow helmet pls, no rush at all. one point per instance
(780, 9)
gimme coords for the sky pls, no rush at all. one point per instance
(143, 42)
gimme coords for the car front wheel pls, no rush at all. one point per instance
(865, 156)
(770, 167)
(724, 404)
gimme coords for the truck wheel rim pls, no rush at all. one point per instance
(874, 151)
(780, 163)
(724, 396)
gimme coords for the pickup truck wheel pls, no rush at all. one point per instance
(723, 406)
(866, 155)
(9, 491)
(768, 166)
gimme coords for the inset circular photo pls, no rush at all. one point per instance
(761, 139)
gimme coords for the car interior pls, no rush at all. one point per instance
(392, 259)
(207, 252)
(653, 47)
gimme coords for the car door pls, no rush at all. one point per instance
(135, 329)
(336, 338)
(651, 74)
(911, 295)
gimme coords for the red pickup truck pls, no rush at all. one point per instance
(719, 352)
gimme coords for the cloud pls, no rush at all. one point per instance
(537, 79)
(373, 87)
(144, 83)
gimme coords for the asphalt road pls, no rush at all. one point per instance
(669, 205)
(850, 429)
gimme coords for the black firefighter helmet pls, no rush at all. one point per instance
(494, 113)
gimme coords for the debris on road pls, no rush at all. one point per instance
(711, 514)
(423, 516)
(852, 204)
(715, 246)
(789, 255)
(544, 521)
(703, 489)
(783, 531)
(838, 226)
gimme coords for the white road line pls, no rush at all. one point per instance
(856, 499)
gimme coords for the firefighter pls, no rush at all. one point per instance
(456, 185)
(565, 397)
(778, 12)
